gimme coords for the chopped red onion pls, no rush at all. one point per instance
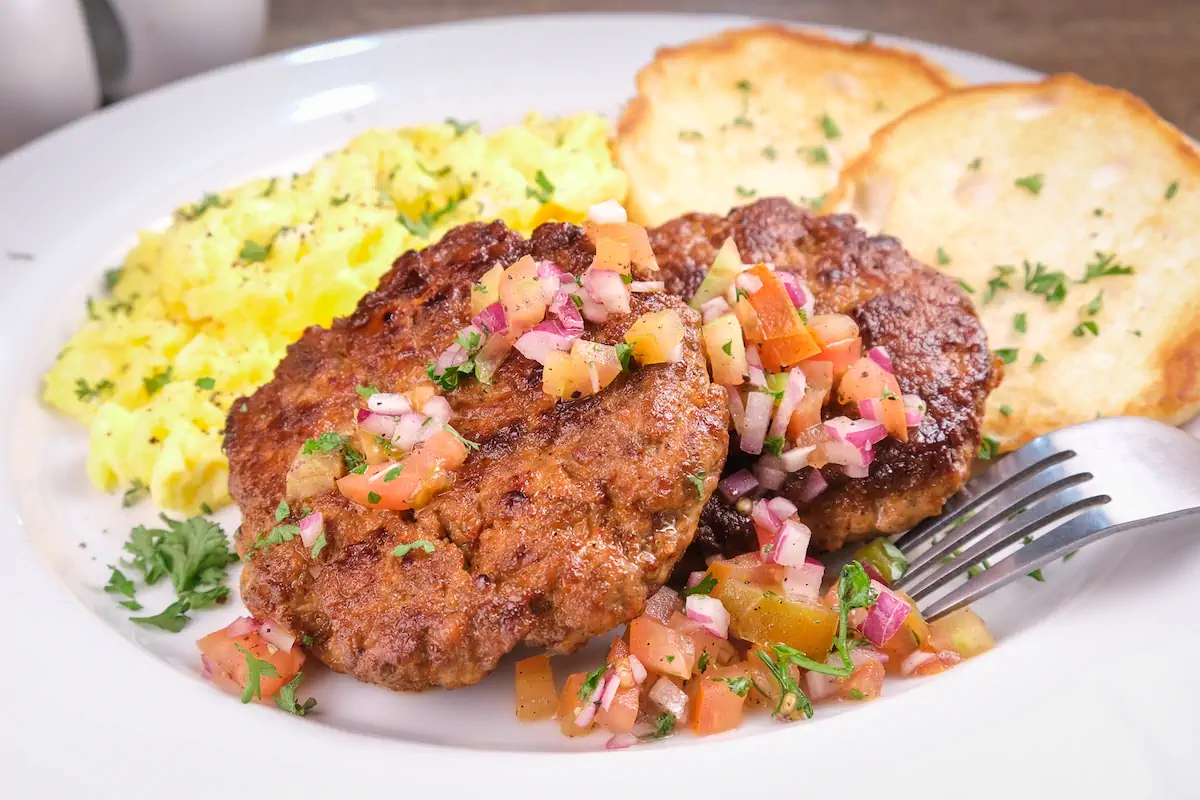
(737, 409)
(391, 403)
(311, 527)
(865, 655)
(914, 410)
(855, 471)
(881, 357)
(412, 429)
(242, 626)
(734, 486)
(638, 669)
(676, 354)
(797, 458)
(620, 741)
(814, 484)
(885, 617)
(567, 312)
(694, 578)
(914, 661)
(763, 518)
(593, 310)
(452, 356)
(549, 287)
(537, 345)
(662, 604)
(669, 697)
(758, 377)
(781, 508)
(752, 356)
(873, 573)
(362, 414)
(548, 269)
(861, 433)
(759, 406)
(492, 319)
(608, 289)
(717, 307)
(612, 685)
(770, 478)
(378, 425)
(800, 296)
(871, 409)
(588, 713)
(748, 283)
(275, 634)
(206, 666)
(438, 409)
(844, 453)
(791, 544)
(820, 686)
(610, 211)
(710, 613)
(803, 583)
(645, 287)
(793, 393)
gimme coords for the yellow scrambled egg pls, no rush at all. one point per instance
(200, 313)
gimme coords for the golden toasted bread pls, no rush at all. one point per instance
(1071, 212)
(759, 112)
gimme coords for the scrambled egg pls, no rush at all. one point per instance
(200, 313)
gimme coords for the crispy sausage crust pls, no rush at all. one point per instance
(557, 529)
(926, 322)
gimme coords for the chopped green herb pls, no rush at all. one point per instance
(282, 511)
(306, 640)
(544, 190)
(691, 136)
(816, 155)
(366, 391)
(254, 252)
(325, 443)
(393, 473)
(119, 584)
(171, 619)
(744, 85)
(1038, 358)
(624, 355)
(774, 445)
(434, 173)
(462, 127)
(1070, 555)
(739, 686)
(670, 659)
(793, 702)
(1136, 333)
(1093, 308)
(770, 153)
(853, 591)
(1084, 328)
(1007, 354)
(702, 663)
(207, 384)
(697, 480)
(577, 300)
(1032, 183)
(136, 492)
(465, 441)
(975, 164)
(1103, 266)
(998, 281)
(742, 121)
(270, 190)
(705, 586)
(373, 498)
(355, 461)
(319, 544)
(727, 348)
(197, 210)
(193, 553)
(1171, 190)
(337, 201)
(943, 257)
(829, 127)
(1005, 411)
(857, 695)
(111, 278)
(1019, 323)
(664, 726)
(989, 448)
(591, 682)
(277, 535)
(744, 192)
(1097, 212)
(286, 699)
(132, 605)
(88, 393)
(1037, 576)
(256, 670)
(966, 287)
(158, 380)
(424, 223)
(425, 545)
(1050, 285)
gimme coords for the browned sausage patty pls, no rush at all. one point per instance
(926, 322)
(556, 530)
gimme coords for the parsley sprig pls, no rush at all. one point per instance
(705, 586)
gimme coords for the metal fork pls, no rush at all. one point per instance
(1060, 492)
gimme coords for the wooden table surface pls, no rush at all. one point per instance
(1151, 47)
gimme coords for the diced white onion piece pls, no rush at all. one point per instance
(854, 471)
(378, 425)
(676, 354)
(610, 211)
(645, 287)
(620, 741)
(797, 458)
(803, 583)
(717, 307)
(737, 409)
(311, 527)
(759, 406)
(412, 429)
(611, 686)
(791, 544)
(638, 669)
(275, 634)
(748, 283)
(793, 393)
(781, 508)
(669, 697)
(390, 403)
(753, 358)
(914, 410)
(710, 613)
(438, 409)
(538, 345)
(608, 289)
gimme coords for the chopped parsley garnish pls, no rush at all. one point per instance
(354, 460)
(337, 201)
(256, 670)
(853, 591)
(774, 445)
(744, 192)
(197, 210)
(1038, 358)
(158, 380)
(770, 153)
(171, 619)
(277, 535)
(816, 155)
(670, 659)
(461, 127)
(829, 127)
(1086, 327)
(742, 120)
(690, 136)
(1019, 323)
(966, 287)
(420, 544)
(1005, 411)
(793, 702)
(192, 553)
(286, 699)
(591, 682)
(702, 663)
(727, 348)
(739, 686)
(857, 695)
(207, 384)
(544, 190)
(975, 164)
(88, 393)
(705, 586)
(136, 492)
(1093, 308)
(1103, 266)
(366, 391)
(1031, 183)
(998, 281)
(624, 354)
(112, 277)
(989, 448)
(664, 726)
(1037, 576)
(744, 85)
(319, 544)
(1097, 212)
(270, 190)
(450, 377)
(423, 225)
(697, 480)
(1007, 354)
(1050, 285)
(373, 498)
(434, 173)
(393, 473)
(467, 443)
(119, 584)
(1171, 190)
(254, 252)
(325, 443)
(943, 257)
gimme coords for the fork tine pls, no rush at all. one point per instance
(1011, 471)
(1008, 501)
(1084, 529)
(1052, 510)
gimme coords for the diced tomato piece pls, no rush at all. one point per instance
(840, 355)
(725, 334)
(485, 291)
(865, 683)
(782, 352)
(661, 649)
(865, 379)
(807, 414)
(522, 297)
(536, 698)
(230, 669)
(776, 312)
(621, 713)
(612, 246)
(618, 649)
(720, 652)
(748, 568)
(569, 706)
(599, 361)
(656, 337)
(716, 707)
(423, 474)
(833, 327)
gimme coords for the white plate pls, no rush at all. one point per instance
(1087, 690)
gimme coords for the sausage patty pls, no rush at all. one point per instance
(927, 323)
(556, 529)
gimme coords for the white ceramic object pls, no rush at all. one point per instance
(1088, 694)
(47, 74)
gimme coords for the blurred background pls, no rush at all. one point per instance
(104, 50)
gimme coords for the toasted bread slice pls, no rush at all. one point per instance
(759, 112)
(1040, 198)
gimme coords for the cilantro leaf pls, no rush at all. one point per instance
(197, 210)
(1171, 190)
(111, 278)
(1104, 266)
(793, 702)
(462, 127)
(88, 393)
(739, 686)
(997, 282)
(1007, 354)
(207, 384)
(591, 682)
(256, 670)
(624, 354)
(829, 127)
(702, 662)
(1086, 327)
(744, 192)
(325, 443)
(943, 257)
(705, 586)
(664, 725)
(465, 441)
(544, 190)
(393, 473)
(340, 200)
(727, 348)
(119, 584)
(697, 480)
(774, 445)
(171, 619)
(286, 699)
(158, 380)
(354, 460)
(366, 391)
(282, 511)
(254, 252)
(989, 448)
(1050, 285)
(420, 544)
(277, 535)
(853, 591)
(1019, 323)
(1032, 183)
(816, 155)
(318, 544)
